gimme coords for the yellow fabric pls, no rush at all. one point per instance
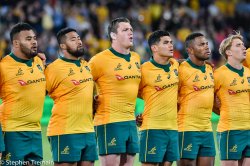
(159, 90)
(247, 60)
(234, 94)
(71, 88)
(196, 94)
(23, 92)
(117, 83)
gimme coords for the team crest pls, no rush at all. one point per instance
(176, 72)
(118, 67)
(211, 75)
(39, 67)
(158, 79)
(234, 82)
(19, 72)
(196, 79)
(87, 68)
(71, 72)
(137, 65)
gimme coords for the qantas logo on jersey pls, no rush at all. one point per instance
(23, 83)
(232, 92)
(196, 88)
(157, 88)
(75, 82)
(120, 78)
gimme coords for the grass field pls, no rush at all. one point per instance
(46, 147)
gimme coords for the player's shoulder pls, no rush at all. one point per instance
(184, 65)
(174, 62)
(54, 65)
(135, 54)
(220, 70)
(99, 57)
(6, 59)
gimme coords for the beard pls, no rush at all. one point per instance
(200, 58)
(76, 53)
(28, 52)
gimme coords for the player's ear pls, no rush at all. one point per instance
(154, 48)
(190, 50)
(15, 43)
(228, 53)
(112, 35)
(63, 46)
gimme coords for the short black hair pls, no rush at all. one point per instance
(17, 28)
(155, 37)
(114, 25)
(61, 34)
(190, 38)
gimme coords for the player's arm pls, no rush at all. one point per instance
(217, 104)
(217, 87)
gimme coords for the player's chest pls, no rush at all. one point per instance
(24, 75)
(123, 71)
(161, 78)
(75, 76)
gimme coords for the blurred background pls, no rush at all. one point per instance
(215, 18)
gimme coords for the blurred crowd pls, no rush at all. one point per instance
(215, 18)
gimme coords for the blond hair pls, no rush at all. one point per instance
(227, 43)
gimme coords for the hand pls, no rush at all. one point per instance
(42, 57)
(139, 120)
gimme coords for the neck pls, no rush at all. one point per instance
(19, 54)
(69, 56)
(161, 60)
(235, 64)
(196, 61)
(120, 49)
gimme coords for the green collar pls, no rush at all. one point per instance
(27, 62)
(77, 62)
(240, 72)
(201, 68)
(164, 67)
(124, 56)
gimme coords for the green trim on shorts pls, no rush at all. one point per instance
(234, 144)
(158, 146)
(23, 146)
(117, 138)
(74, 147)
(196, 144)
